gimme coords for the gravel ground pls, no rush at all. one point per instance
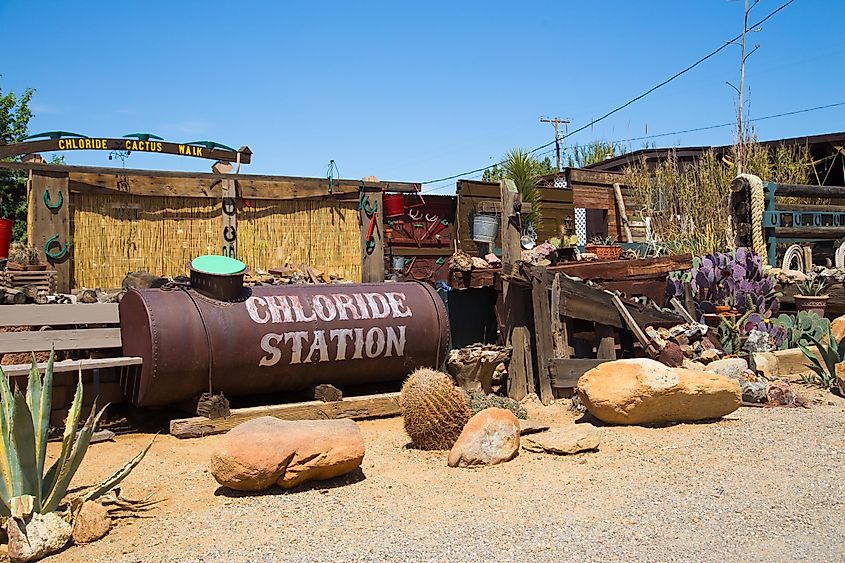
(759, 485)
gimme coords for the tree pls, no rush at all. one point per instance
(14, 124)
(593, 153)
(525, 170)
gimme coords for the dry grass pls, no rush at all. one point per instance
(113, 236)
(689, 203)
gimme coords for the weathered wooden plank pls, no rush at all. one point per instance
(58, 315)
(543, 333)
(565, 372)
(88, 338)
(606, 349)
(200, 184)
(625, 269)
(560, 330)
(356, 408)
(520, 368)
(372, 258)
(53, 225)
(229, 219)
(580, 301)
(585, 176)
(15, 370)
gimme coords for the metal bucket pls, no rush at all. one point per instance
(484, 228)
(398, 263)
(394, 205)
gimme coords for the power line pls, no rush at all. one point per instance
(658, 135)
(631, 101)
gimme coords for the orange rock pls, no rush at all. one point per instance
(257, 454)
(643, 391)
(490, 437)
(837, 328)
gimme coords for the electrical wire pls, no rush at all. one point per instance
(655, 136)
(629, 102)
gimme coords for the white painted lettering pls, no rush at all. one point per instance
(323, 308)
(359, 344)
(344, 303)
(362, 305)
(298, 338)
(299, 313)
(382, 313)
(375, 342)
(397, 302)
(395, 343)
(341, 334)
(268, 344)
(279, 308)
(319, 343)
(252, 308)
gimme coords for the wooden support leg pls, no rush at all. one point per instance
(520, 370)
(543, 334)
(607, 344)
(560, 328)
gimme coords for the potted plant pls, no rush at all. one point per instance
(812, 296)
(605, 248)
(25, 257)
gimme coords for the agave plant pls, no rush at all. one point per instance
(24, 422)
(823, 364)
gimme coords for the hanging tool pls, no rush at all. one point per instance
(430, 232)
(371, 212)
(440, 226)
(415, 227)
(53, 206)
(330, 173)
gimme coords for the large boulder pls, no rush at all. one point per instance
(490, 437)
(266, 451)
(643, 391)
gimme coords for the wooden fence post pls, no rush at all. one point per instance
(372, 249)
(542, 331)
(229, 219)
(49, 221)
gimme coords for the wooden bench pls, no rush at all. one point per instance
(64, 328)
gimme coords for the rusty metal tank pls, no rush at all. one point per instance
(278, 338)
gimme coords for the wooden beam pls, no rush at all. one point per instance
(520, 368)
(623, 214)
(82, 339)
(565, 372)
(46, 224)
(606, 349)
(58, 315)
(356, 408)
(580, 301)
(74, 365)
(372, 257)
(202, 184)
(625, 269)
(229, 219)
(542, 333)
(560, 328)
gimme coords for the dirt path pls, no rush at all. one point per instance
(762, 484)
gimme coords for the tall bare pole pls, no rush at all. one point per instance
(740, 157)
(556, 122)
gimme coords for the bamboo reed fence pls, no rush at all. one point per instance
(113, 236)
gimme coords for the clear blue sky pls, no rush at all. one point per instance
(411, 91)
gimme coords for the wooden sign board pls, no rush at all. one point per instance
(106, 144)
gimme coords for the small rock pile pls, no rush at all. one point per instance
(686, 345)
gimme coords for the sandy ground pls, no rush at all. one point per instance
(759, 485)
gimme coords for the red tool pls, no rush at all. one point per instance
(440, 226)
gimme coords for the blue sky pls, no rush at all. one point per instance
(411, 91)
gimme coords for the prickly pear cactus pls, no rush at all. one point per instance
(434, 410)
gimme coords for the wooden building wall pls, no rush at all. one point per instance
(555, 203)
(594, 190)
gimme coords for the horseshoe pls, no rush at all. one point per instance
(229, 234)
(55, 255)
(229, 205)
(50, 205)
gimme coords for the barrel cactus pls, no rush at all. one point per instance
(434, 410)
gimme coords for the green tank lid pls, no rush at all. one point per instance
(220, 265)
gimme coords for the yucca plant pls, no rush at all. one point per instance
(24, 423)
(823, 364)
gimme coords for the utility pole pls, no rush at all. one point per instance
(556, 122)
(740, 157)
